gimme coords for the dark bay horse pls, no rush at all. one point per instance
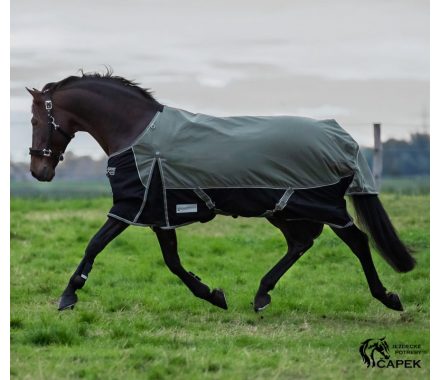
(115, 111)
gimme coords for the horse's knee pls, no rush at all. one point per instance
(173, 265)
(175, 269)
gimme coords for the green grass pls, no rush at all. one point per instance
(410, 185)
(135, 320)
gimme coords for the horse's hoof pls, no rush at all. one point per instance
(67, 301)
(392, 301)
(261, 302)
(218, 299)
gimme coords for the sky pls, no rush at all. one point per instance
(355, 61)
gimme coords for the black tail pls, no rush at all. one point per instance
(375, 221)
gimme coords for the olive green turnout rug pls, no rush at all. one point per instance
(188, 167)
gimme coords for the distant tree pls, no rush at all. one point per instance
(404, 158)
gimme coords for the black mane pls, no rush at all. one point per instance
(108, 75)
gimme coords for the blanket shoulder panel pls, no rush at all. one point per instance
(127, 188)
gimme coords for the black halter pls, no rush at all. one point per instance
(53, 126)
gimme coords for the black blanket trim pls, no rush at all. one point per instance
(325, 204)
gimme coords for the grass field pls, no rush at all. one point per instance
(135, 320)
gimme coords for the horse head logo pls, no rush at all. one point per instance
(370, 347)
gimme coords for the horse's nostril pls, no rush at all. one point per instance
(33, 174)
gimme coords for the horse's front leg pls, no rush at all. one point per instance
(168, 244)
(295, 251)
(111, 228)
(299, 237)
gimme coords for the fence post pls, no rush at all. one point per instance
(377, 158)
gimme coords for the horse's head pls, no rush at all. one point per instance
(111, 108)
(381, 346)
(50, 135)
(370, 346)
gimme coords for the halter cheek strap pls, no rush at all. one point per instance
(52, 126)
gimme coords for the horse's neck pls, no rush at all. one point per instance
(115, 126)
(114, 137)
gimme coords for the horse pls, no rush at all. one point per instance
(370, 346)
(154, 184)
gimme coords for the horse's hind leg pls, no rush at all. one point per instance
(299, 237)
(111, 228)
(358, 243)
(168, 244)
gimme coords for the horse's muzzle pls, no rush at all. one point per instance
(46, 175)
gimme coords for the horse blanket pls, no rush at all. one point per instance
(188, 167)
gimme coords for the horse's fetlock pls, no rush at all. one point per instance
(202, 291)
(78, 282)
(266, 286)
(379, 294)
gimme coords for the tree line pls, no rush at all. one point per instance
(404, 158)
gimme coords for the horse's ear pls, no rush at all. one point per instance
(34, 92)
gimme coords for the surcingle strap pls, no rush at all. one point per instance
(281, 203)
(205, 198)
(284, 199)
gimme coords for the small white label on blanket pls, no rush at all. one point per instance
(111, 170)
(189, 207)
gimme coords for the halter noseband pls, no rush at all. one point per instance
(53, 126)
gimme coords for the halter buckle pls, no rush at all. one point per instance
(48, 104)
(47, 152)
(52, 121)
